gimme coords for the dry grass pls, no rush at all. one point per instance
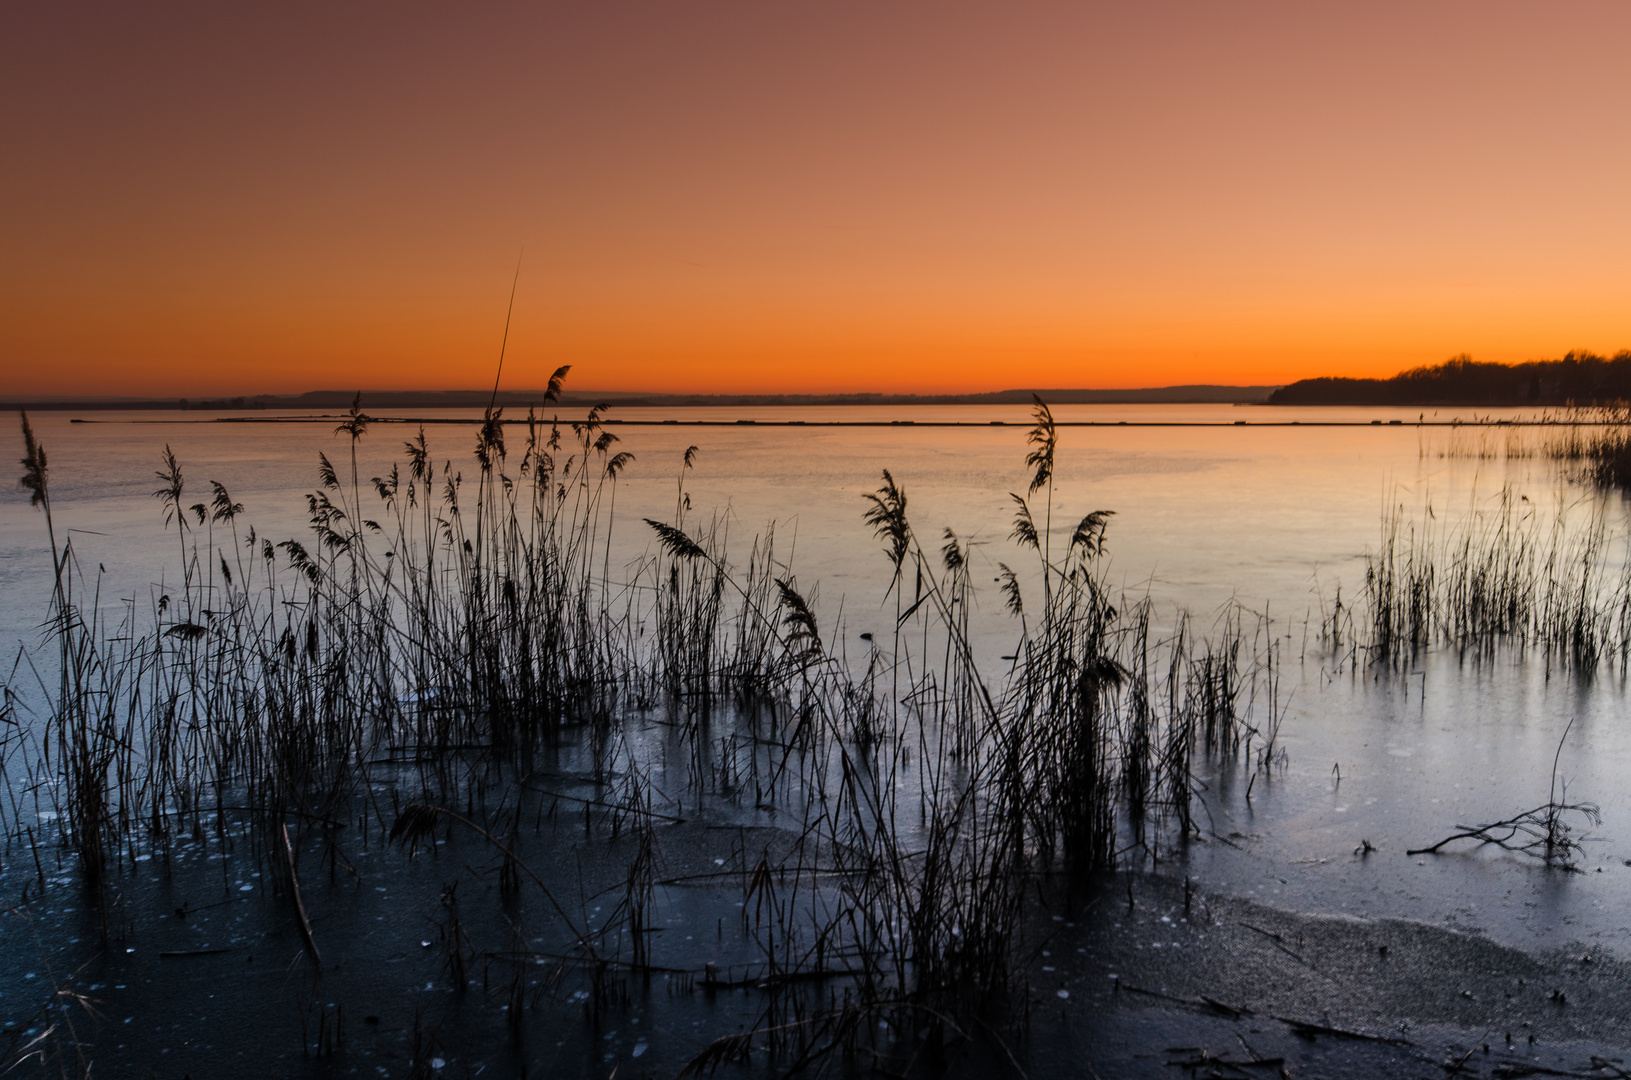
(1508, 575)
(439, 638)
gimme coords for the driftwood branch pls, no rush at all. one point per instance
(1541, 833)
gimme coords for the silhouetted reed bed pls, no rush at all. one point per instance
(1604, 449)
(1593, 441)
(1508, 574)
(1505, 576)
(447, 634)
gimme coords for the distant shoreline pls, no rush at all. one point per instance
(1579, 378)
(1203, 394)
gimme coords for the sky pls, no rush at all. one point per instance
(208, 199)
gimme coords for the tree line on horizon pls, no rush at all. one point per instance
(1580, 378)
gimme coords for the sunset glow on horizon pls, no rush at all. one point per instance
(722, 198)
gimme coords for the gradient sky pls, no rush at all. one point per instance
(231, 199)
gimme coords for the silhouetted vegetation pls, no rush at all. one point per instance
(1578, 378)
(1592, 442)
(1604, 449)
(1507, 576)
(428, 654)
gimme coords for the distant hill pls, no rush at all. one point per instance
(334, 400)
(1579, 378)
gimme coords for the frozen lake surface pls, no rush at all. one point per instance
(1213, 506)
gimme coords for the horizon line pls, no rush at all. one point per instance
(1192, 393)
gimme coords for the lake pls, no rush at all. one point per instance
(1264, 513)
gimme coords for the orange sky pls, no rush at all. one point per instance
(209, 199)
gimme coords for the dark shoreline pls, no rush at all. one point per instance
(1241, 985)
(1579, 378)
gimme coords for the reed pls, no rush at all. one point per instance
(1604, 449)
(1592, 442)
(1505, 576)
(426, 652)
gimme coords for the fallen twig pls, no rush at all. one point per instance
(299, 904)
(1546, 836)
(1305, 1029)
